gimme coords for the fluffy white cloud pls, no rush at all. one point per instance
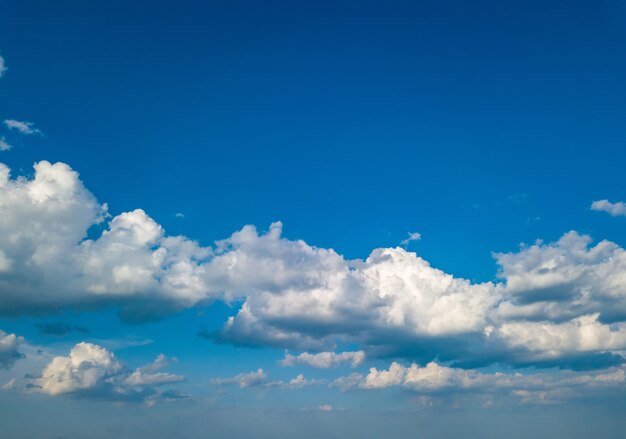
(536, 387)
(22, 127)
(9, 349)
(48, 262)
(324, 360)
(614, 209)
(91, 370)
(564, 280)
(87, 367)
(303, 297)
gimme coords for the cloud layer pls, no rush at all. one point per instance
(561, 303)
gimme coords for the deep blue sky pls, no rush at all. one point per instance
(479, 124)
(351, 124)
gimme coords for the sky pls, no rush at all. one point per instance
(312, 219)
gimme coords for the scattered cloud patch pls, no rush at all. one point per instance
(435, 379)
(9, 349)
(413, 236)
(3, 67)
(4, 146)
(324, 360)
(259, 379)
(325, 408)
(180, 215)
(22, 127)
(91, 371)
(613, 209)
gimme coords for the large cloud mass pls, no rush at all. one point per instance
(561, 303)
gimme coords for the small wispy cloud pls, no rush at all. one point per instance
(4, 146)
(179, 215)
(23, 127)
(613, 209)
(3, 67)
(413, 236)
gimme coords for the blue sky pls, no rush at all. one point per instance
(336, 129)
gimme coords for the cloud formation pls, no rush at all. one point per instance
(91, 371)
(260, 380)
(413, 236)
(4, 146)
(9, 349)
(435, 379)
(22, 127)
(561, 303)
(613, 209)
(3, 67)
(324, 360)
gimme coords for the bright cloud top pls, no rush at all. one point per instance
(562, 301)
(613, 209)
(90, 370)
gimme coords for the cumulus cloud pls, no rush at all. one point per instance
(531, 387)
(91, 371)
(47, 261)
(613, 209)
(324, 360)
(22, 127)
(570, 295)
(9, 349)
(4, 146)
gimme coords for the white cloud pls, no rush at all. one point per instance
(87, 367)
(614, 209)
(3, 67)
(413, 236)
(244, 380)
(564, 280)
(324, 360)
(435, 379)
(298, 296)
(149, 375)
(9, 349)
(91, 370)
(4, 146)
(325, 408)
(260, 379)
(23, 127)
